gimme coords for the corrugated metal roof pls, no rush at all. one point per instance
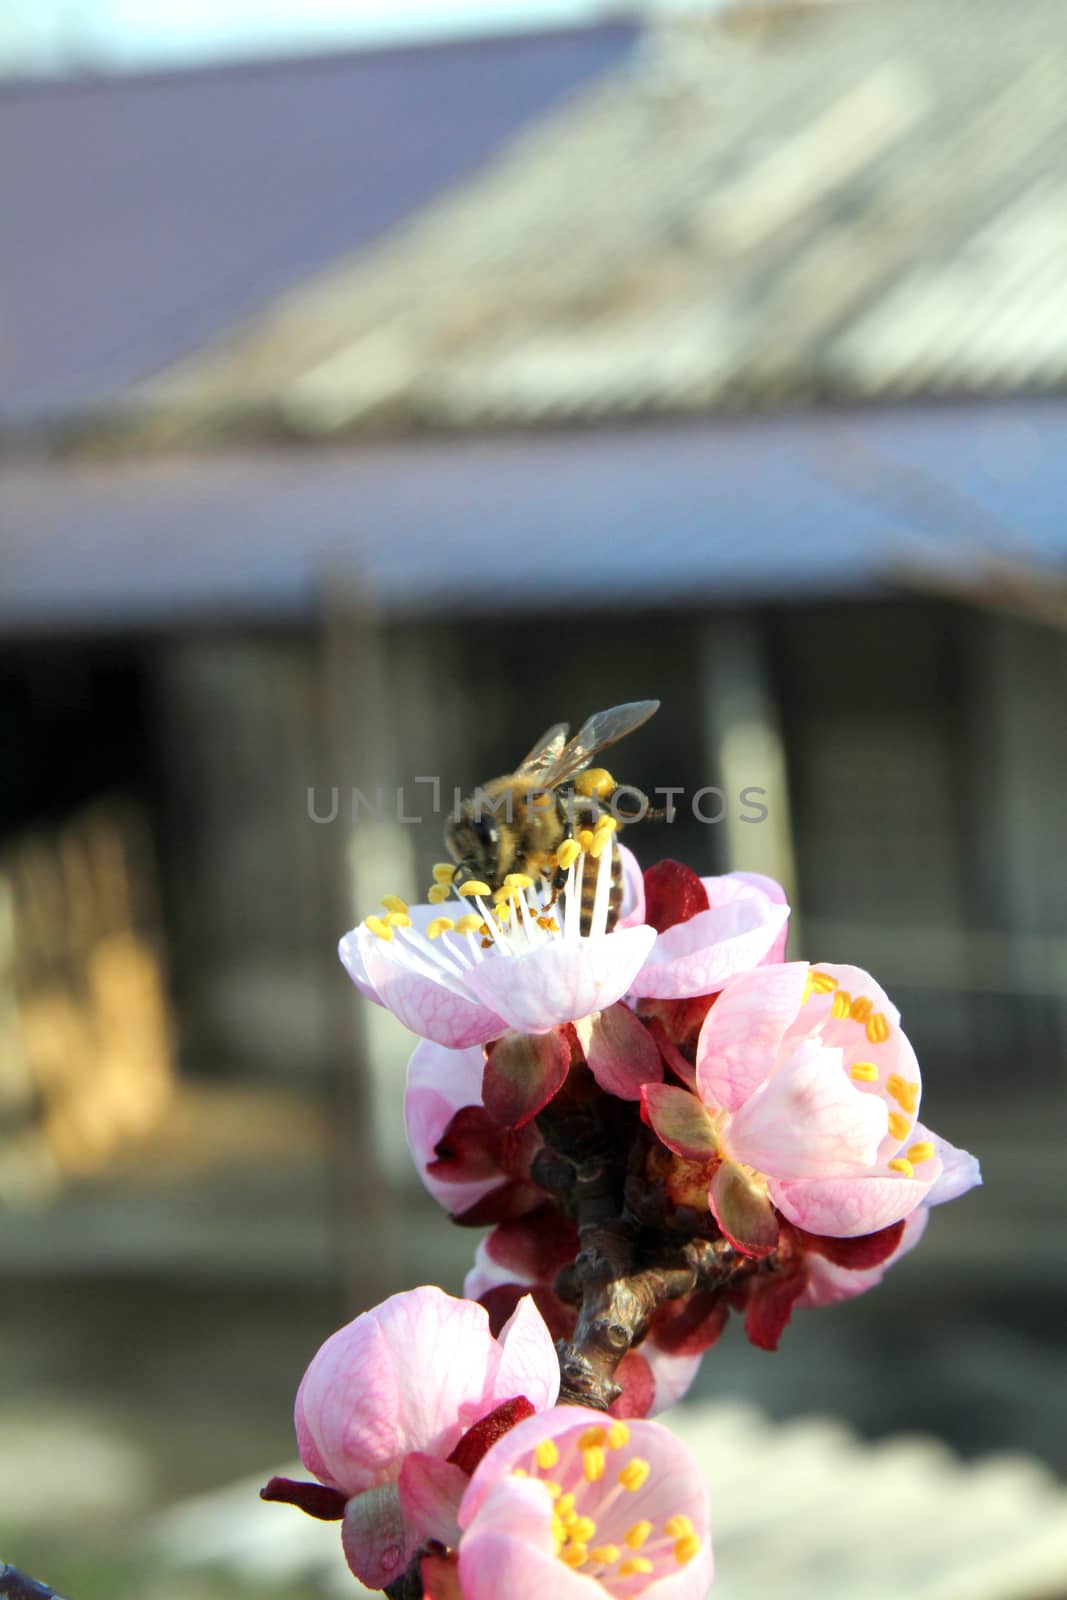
(669, 514)
(840, 203)
(143, 215)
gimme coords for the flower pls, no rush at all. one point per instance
(389, 1411)
(709, 929)
(572, 1504)
(806, 1098)
(521, 962)
(526, 1256)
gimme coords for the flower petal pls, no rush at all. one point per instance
(828, 1283)
(621, 1053)
(439, 1083)
(698, 956)
(529, 1365)
(847, 1206)
(427, 1005)
(509, 1551)
(671, 1375)
(430, 1491)
(742, 1032)
(776, 894)
(809, 1120)
(959, 1169)
(561, 981)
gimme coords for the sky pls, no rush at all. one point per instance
(43, 35)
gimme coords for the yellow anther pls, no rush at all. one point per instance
(902, 1164)
(583, 1529)
(593, 1463)
(565, 1506)
(861, 1008)
(636, 1536)
(904, 1093)
(863, 1072)
(822, 982)
(634, 1474)
(398, 919)
(518, 880)
(618, 1435)
(899, 1125)
(677, 1527)
(444, 872)
(473, 886)
(437, 893)
(574, 1555)
(606, 824)
(585, 838)
(841, 1005)
(546, 1454)
(634, 1565)
(554, 1489)
(809, 989)
(921, 1151)
(568, 853)
(382, 929)
(502, 913)
(604, 1554)
(438, 926)
(559, 1533)
(595, 781)
(591, 1437)
(393, 902)
(470, 922)
(878, 1028)
(686, 1548)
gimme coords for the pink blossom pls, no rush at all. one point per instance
(388, 1399)
(806, 1098)
(710, 929)
(573, 1504)
(466, 980)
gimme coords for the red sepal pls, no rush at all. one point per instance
(536, 1247)
(690, 1326)
(316, 1499)
(485, 1433)
(511, 1200)
(856, 1255)
(523, 1071)
(673, 894)
(770, 1306)
(638, 1387)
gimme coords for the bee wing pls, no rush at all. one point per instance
(545, 752)
(601, 729)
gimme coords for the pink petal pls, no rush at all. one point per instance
(397, 1379)
(671, 1375)
(561, 982)
(697, 957)
(439, 1083)
(959, 1169)
(621, 1053)
(430, 1491)
(777, 895)
(528, 1362)
(680, 1121)
(828, 1284)
(508, 1550)
(632, 910)
(809, 1120)
(741, 1034)
(425, 1005)
(375, 1537)
(846, 1207)
(743, 1211)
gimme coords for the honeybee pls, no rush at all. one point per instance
(519, 822)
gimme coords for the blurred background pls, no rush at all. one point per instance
(381, 382)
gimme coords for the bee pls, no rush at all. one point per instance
(519, 822)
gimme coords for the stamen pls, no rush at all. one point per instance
(398, 919)
(382, 929)
(437, 893)
(546, 1454)
(593, 1463)
(444, 872)
(636, 1536)
(574, 1555)
(904, 1093)
(677, 1527)
(605, 1555)
(686, 1548)
(618, 1435)
(861, 1008)
(565, 1506)
(921, 1151)
(822, 982)
(591, 1437)
(518, 880)
(585, 838)
(898, 1125)
(634, 1565)
(901, 1164)
(470, 922)
(438, 926)
(393, 902)
(582, 1530)
(864, 1072)
(878, 1028)
(634, 1474)
(568, 853)
(472, 887)
(842, 1002)
(554, 1489)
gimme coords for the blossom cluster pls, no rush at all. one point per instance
(647, 1098)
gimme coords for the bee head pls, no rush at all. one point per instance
(472, 839)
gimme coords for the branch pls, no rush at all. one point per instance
(15, 1585)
